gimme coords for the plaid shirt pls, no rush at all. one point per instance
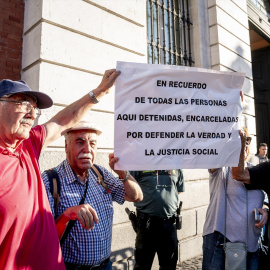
(82, 246)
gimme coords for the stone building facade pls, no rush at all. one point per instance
(65, 46)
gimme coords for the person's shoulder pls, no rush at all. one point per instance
(35, 140)
(36, 130)
(266, 163)
(214, 171)
(263, 167)
(179, 172)
(63, 168)
(101, 169)
(59, 168)
(254, 160)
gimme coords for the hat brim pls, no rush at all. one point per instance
(81, 128)
(43, 100)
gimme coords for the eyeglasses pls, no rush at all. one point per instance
(25, 106)
(248, 140)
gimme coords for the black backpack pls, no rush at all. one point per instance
(55, 187)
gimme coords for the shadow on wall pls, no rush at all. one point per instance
(123, 259)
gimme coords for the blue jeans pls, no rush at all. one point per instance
(214, 255)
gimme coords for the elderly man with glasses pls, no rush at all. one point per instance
(28, 236)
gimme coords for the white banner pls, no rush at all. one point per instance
(171, 117)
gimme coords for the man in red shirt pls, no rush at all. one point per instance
(28, 236)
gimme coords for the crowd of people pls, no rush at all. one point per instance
(62, 219)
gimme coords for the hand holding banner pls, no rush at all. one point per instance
(170, 117)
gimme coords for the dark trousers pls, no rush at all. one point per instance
(105, 265)
(156, 237)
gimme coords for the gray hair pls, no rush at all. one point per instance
(66, 136)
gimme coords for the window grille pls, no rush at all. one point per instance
(168, 32)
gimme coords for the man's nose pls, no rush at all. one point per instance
(32, 113)
(87, 147)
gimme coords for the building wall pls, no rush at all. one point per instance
(230, 50)
(11, 30)
(67, 46)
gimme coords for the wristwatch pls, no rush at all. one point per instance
(126, 178)
(93, 97)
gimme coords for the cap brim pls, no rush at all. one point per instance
(43, 100)
(9, 87)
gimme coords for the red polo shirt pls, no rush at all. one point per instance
(28, 236)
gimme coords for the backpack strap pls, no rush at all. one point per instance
(97, 171)
(55, 187)
(71, 223)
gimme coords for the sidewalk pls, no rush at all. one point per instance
(191, 264)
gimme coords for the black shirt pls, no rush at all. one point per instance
(259, 179)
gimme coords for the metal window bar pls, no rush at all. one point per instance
(169, 37)
(169, 11)
(164, 33)
(157, 30)
(184, 32)
(189, 38)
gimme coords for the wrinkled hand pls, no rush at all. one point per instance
(264, 218)
(86, 215)
(112, 161)
(108, 80)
